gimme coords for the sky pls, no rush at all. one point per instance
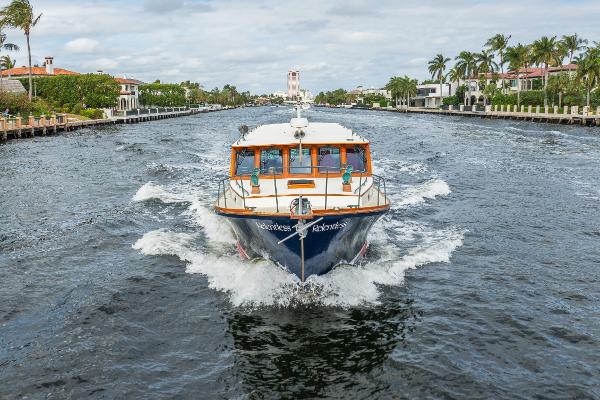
(252, 43)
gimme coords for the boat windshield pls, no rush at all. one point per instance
(244, 162)
(271, 160)
(356, 158)
(300, 166)
(329, 159)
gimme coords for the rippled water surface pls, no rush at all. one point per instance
(117, 281)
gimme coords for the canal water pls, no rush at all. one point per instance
(117, 281)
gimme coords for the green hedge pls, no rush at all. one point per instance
(162, 95)
(20, 104)
(536, 97)
(92, 113)
(451, 101)
(66, 91)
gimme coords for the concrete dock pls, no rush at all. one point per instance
(16, 128)
(568, 115)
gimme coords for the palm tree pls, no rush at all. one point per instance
(6, 62)
(544, 52)
(467, 65)
(588, 71)
(485, 61)
(518, 58)
(572, 43)
(437, 66)
(394, 86)
(410, 88)
(454, 75)
(498, 44)
(19, 15)
(7, 46)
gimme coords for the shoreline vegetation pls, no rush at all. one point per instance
(536, 75)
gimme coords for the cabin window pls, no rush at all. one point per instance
(244, 162)
(300, 166)
(271, 160)
(329, 159)
(356, 157)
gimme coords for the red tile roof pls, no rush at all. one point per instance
(532, 72)
(126, 81)
(36, 71)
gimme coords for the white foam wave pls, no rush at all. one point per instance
(420, 193)
(397, 246)
(216, 228)
(152, 191)
(262, 283)
(380, 166)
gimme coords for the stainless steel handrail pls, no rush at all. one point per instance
(376, 180)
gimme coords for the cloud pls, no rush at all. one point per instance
(251, 44)
(161, 6)
(81, 46)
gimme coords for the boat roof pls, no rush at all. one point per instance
(314, 133)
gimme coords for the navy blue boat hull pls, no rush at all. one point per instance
(334, 240)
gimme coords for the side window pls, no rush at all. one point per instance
(244, 162)
(271, 160)
(300, 166)
(329, 159)
(356, 157)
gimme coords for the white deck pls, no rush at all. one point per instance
(314, 133)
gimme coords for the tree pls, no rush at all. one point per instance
(588, 71)
(6, 62)
(19, 15)
(454, 76)
(467, 65)
(410, 88)
(498, 43)
(572, 43)
(544, 53)
(7, 46)
(437, 66)
(485, 62)
(518, 58)
(489, 91)
(394, 86)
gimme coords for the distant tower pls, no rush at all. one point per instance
(49, 61)
(293, 84)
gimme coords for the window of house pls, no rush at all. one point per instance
(271, 160)
(329, 159)
(356, 157)
(300, 166)
(244, 162)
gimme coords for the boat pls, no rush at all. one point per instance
(302, 194)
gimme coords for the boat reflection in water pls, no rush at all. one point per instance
(302, 194)
(318, 352)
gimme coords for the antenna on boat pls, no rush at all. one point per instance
(243, 131)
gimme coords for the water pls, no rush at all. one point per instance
(482, 282)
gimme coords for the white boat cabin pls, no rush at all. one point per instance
(325, 163)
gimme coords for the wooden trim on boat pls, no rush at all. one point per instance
(345, 211)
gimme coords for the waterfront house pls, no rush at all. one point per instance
(47, 69)
(526, 76)
(129, 94)
(428, 95)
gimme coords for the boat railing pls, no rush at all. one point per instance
(377, 183)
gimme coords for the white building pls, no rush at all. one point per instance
(428, 95)
(306, 96)
(281, 94)
(129, 95)
(293, 83)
